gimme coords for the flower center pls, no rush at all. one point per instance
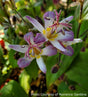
(35, 52)
(50, 33)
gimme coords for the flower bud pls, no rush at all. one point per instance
(55, 69)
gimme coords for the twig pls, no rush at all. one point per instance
(80, 22)
(21, 16)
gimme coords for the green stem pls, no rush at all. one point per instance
(80, 22)
(59, 59)
(20, 15)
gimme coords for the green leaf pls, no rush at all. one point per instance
(32, 69)
(2, 60)
(24, 81)
(63, 90)
(62, 87)
(66, 62)
(2, 13)
(52, 60)
(79, 72)
(85, 10)
(12, 89)
(77, 13)
(12, 60)
(76, 20)
(83, 28)
(24, 11)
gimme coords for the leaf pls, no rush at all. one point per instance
(77, 13)
(66, 62)
(2, 13)
(85, 10)
(52, 60)
(32, 69)
(12, 89)
(24, 81)
(2, 60)
(63, 90)
(62, 87)
(79, 72)
(12, 60)
(24, 11)
(83, 28)
(76, 20)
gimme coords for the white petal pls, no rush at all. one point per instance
(56, 44)
(72, 42)
(68, 19)
(41, 64)
(48, 23)
(35, 23)
(19, 48)
(68, 36)
(49, 18)
(49, 51)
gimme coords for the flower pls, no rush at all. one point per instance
(57, 33)
(2, 43)
(34, 50)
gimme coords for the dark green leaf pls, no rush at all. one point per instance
(12, 60)
(32, 69)
(79, 72)
(63, 90)
(66, 62)
(12, 89)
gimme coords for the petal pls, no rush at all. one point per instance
(69, 51)
(24, 62)
(49, 18)
(35, 23)
(68, 19)
(72, 42)
(67, 36)
(29, 38)
(49, 14)
(39, 38)
(41, 64)
(19, 48)
(49, 51)
(56, 44)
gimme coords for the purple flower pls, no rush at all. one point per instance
(57, 33)
(33, 50)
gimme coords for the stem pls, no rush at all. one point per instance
(80, 19)
(20, 15)
(59, 59)
(83, 33)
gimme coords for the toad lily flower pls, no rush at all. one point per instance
(33, 50)
(51, 32)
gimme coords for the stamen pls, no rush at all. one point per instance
(65, 24)
(58, 15)
(36, 51)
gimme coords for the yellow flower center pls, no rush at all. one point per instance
(50, 34)
(35, 52)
